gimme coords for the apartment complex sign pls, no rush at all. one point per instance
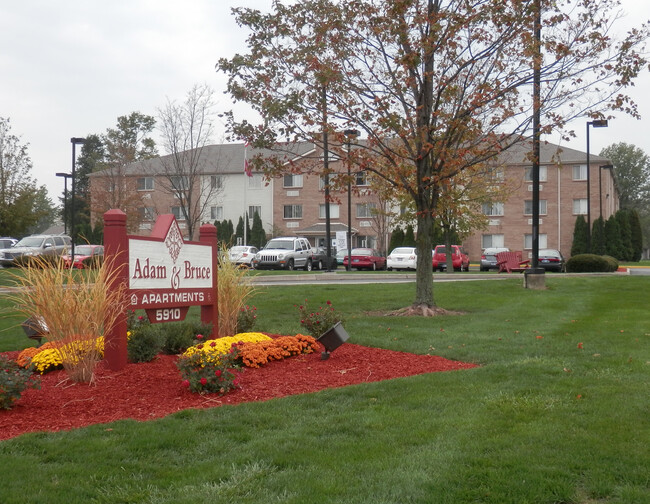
(167, 275)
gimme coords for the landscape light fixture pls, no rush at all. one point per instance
(596, 123)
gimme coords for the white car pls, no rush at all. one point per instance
(242, 254)
(402, 258)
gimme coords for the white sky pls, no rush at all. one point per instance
(70, 68)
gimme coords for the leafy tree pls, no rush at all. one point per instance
(396, 239)
(437, 87)
(598, 236)
(409, 237)
(580, 232)
(613, 238)
(258, 235)
(626, 250)
(632, 172)
(23, 205)
(636, 235)
(42, 205)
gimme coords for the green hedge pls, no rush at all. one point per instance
(591, 263)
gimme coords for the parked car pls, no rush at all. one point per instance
(242, 254)
(319, 259)
(85, 256)
(289, 252)
(402, 258)
(7, 242)
(460, 259)
(551, 260)
(366, 258)
(489, 258)
(35, 246)
(340, 256)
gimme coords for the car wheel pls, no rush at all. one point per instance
(290, 265)
(308, 265)
(374, 266)
(320, 265)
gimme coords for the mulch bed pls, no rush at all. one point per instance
(153, 390)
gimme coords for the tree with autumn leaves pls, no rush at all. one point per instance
(437, 87)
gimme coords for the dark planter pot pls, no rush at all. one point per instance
(333, 338)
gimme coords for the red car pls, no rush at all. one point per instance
(85, 256)
(366, 258)
(459, 257)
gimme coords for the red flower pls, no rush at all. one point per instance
(204, 381)
(199, 336)
(186, 383)
(329, 303)
(580, 345)
(217, 373)
(213, 344)
(140, 317)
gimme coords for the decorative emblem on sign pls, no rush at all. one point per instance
(174, 241)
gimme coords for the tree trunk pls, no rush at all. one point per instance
(424, 276)
(448, 256)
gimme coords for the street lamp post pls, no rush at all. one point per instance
(597, 123)
(65, 176)
(74, 141)
(600, 186)
(350, 134)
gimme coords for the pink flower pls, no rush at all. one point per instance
(204, 381)
(213, 344)
(186, 383)
(199, 336)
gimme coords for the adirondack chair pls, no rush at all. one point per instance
(510, 262)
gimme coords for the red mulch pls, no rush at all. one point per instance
(153, 390)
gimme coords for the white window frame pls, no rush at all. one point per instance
(579, 173)
(295, 211)
(528, 241)
(334, 211)
(494, 209)
(216, 182)
(361, 178)
(292, 181)
(492, 241)
(528, 173)
(255, 182)
(180, 182)
(216, 213)
(365, 210)
(145, 183)
(177, 212)
(254, 209)
(528, 207)
(147, 214)
(580, 206)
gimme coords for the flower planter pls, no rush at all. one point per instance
(333, 338)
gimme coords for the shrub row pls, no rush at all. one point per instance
(591, 263)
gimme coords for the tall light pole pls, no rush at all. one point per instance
(74, 141)
(350, 134)
(65, 176)
(600, 185)
(597, 123)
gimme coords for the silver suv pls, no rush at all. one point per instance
(284, 253)
(35, 246)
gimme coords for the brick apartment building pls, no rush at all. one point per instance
(294, 204)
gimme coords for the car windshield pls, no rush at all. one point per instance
(280, 244)
(83, 250)
(30, 241)
(403, 250)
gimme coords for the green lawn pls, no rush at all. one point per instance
(541, 421)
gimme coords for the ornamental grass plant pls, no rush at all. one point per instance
(75, 308)
(235, 287)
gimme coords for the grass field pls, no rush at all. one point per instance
(558, 412)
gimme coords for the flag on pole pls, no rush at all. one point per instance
(247, 168)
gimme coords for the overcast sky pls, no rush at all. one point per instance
(70, 68)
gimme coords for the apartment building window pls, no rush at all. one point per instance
(334, 211)
(178, 213)
(254, 209)
(580, 206)
(146, 213)
(496, 174)
(528, 241)
(365, 210)
(255, 182)
(180, 183)
(216, 213)
(292, 180)
(216, 182)
(528, 173)
(293, 211)
(580, 172)
(361, 178)
(145, 184)
(493, 210)
(492, 240)
(528, 207)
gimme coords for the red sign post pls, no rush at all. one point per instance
(162, 274)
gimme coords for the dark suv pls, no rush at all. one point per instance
(35, 246)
